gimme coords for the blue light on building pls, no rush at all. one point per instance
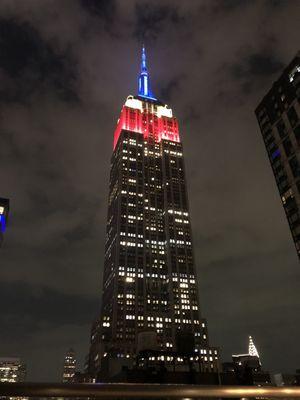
(4, 210)
(275, 154)
(2, 223)
(144, 79)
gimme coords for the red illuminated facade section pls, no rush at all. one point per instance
(153, 120)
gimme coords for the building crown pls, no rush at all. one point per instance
(252, 349)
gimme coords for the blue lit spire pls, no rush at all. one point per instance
(144, 79)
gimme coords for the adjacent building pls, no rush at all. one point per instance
(12, 369)
(278, 115)
(248, 360)
(69, 367)
(246, 368)
(4, 210)
(150, 300)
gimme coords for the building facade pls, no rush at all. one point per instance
(4, 209)
(12, 369)
(69, 367)
(150, 293)
(278, 115)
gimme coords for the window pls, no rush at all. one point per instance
(292, 116)
(281, 128)
(294, 165)
(275, 154)
(294, 219)
(288, 147)
(297, 134)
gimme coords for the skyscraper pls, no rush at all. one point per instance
(278, 116)
(4, 209)
(69, 366)
(150, 293)
(12, 369)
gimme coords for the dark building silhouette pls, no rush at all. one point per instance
(278, 115)
(92, 366)
(150, 309)
(281, 379)
(4, 210)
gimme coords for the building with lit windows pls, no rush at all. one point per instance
(278, 115)
(12, 369)
(4, 209)
(245, 369)
(69, 367)
(150, 293)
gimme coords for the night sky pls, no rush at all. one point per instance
(66, 68)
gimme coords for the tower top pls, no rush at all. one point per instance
(144, 79)
(252, 349)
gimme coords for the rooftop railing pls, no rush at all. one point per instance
(146, 391)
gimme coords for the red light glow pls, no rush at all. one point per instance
(148, 124)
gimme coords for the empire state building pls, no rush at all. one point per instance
(150, 293)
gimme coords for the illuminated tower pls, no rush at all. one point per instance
(252, 349)
(278, 115)
(149, 282)
(4, 209)
(69, 367)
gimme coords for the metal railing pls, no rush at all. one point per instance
(132, 390)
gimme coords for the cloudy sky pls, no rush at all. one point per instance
(66, 68)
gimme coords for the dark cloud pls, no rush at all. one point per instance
(230, 5)
(260, 64)
(153, 18)
(29, 64)
(170, 88)
(39, 305)
(100, 8)
(68, 67)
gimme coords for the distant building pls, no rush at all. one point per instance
(149, 282)
(247, 367)
(69, 367)
(297, 375)
(4, 210)
(248, 361)
(278, 115)
(93, 359)
(286, 379)
(12, 370)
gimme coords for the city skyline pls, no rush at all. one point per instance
(62, 90)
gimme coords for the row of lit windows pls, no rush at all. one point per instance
(131, 244)
(140, 236)
(131, 217)
(132, 193)
(151, 153)
(180, 242)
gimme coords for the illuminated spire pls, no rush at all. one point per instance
(144, 79)
(252, 349)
